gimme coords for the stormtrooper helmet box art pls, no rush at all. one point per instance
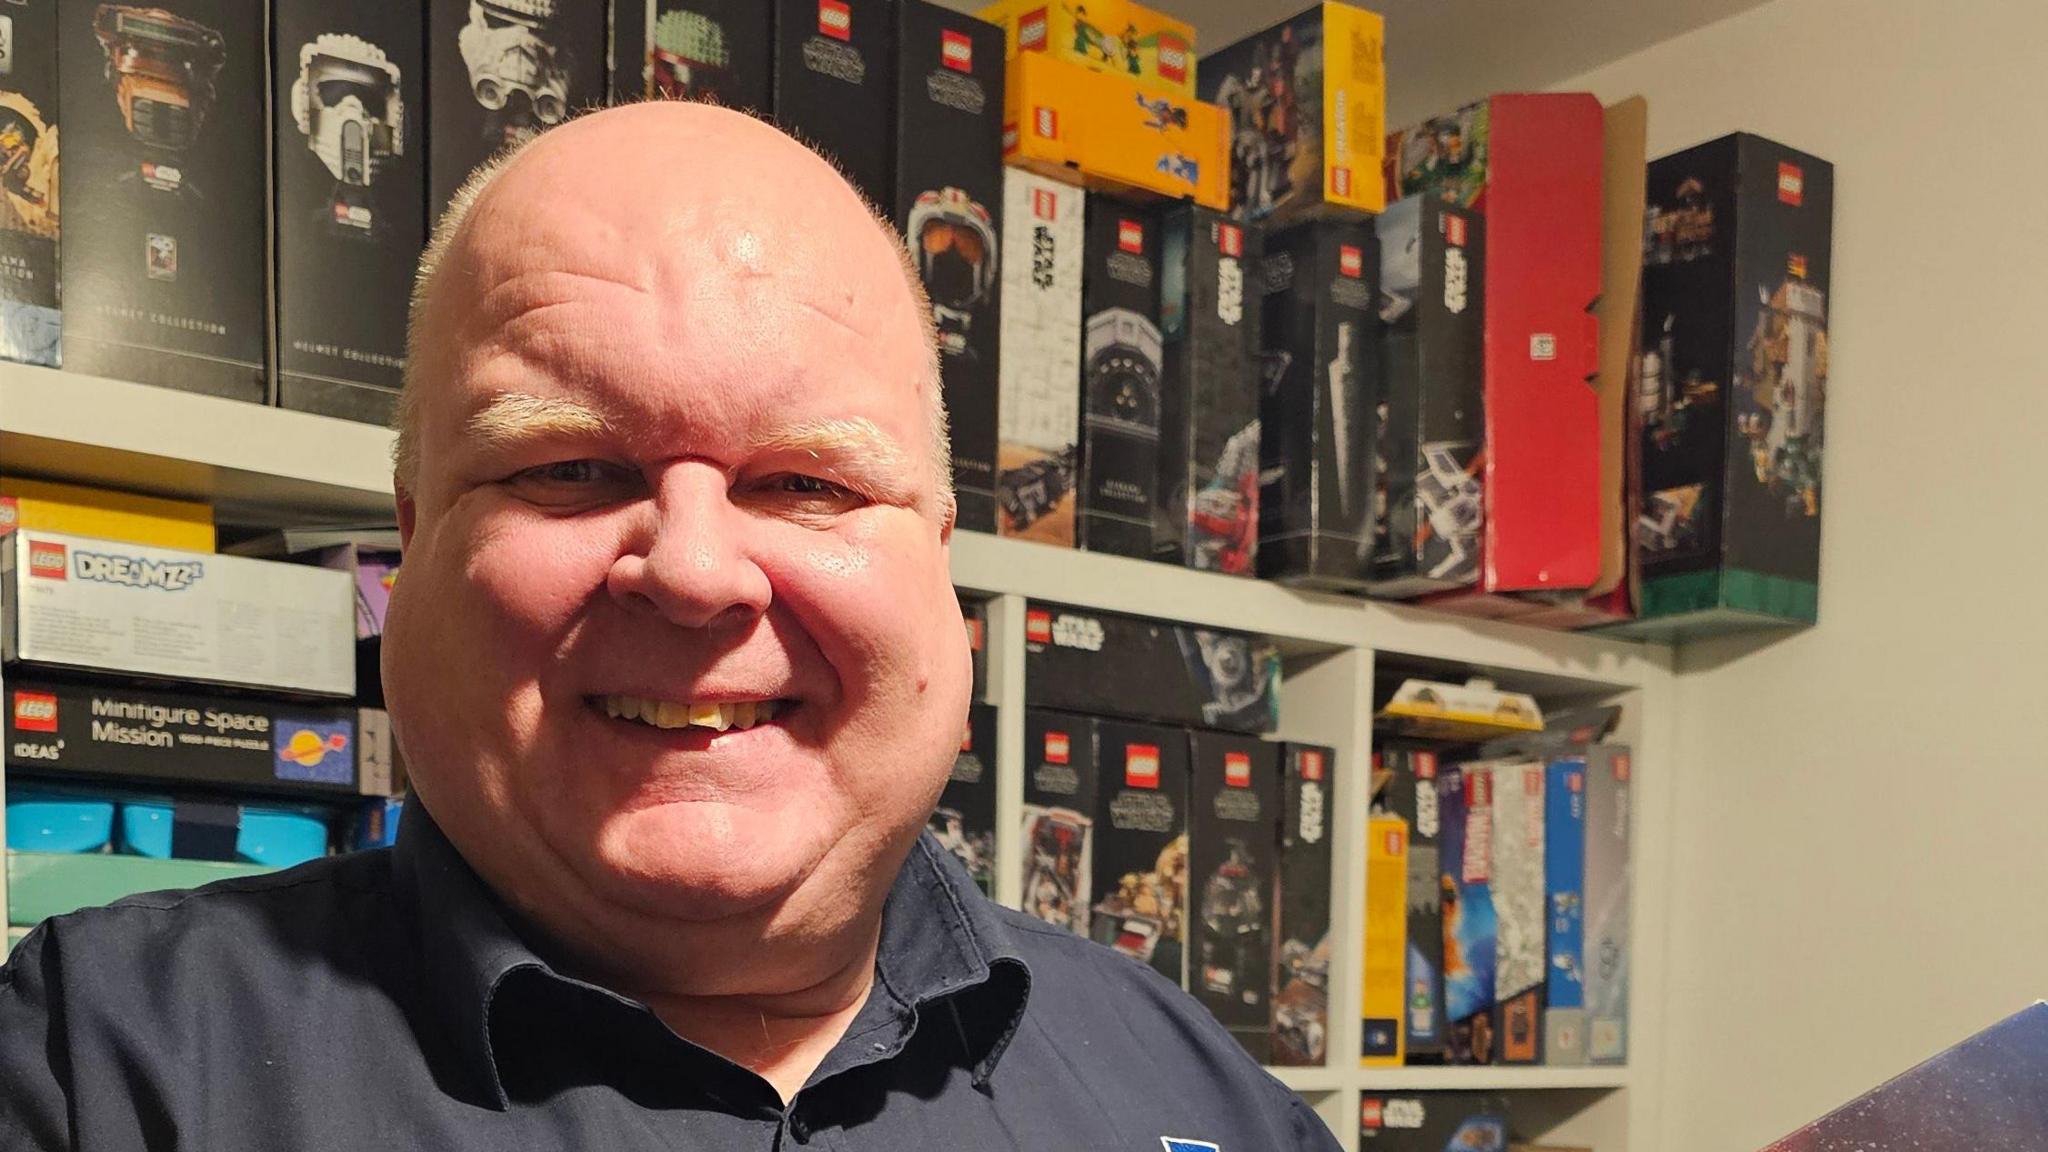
(1038, 413)
(1732, 389)
(31, 316)
(949, 205)
(965, 820)
(1307, 106)
(720, 51)
(1122, 358)
(1319, 384)
(1141, 844)
(1151, 669)
(1233, 842)
(1060, 784)
(1301, 940)
(835, 86)
(503, 71)
(1206, 513)
(348, 84)
(166, 155)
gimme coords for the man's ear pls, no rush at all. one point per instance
(408, 515)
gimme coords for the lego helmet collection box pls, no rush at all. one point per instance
(1121, 356)
(163, 68)
(689, 56)
(346, 104)
(513, 68)
(953, 240)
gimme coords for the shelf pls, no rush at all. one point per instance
(1309, 1081)
(1491, 1079)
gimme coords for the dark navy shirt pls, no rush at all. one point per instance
(383, 1000)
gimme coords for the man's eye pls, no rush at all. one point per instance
(801, 485)
(574, 482)
(565, 472)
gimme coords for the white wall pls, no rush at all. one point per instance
(1861, 856)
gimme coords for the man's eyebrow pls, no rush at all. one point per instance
(511, 417)
(855, 440)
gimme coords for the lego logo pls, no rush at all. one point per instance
(974, 639)
(956, 51)
(35, 712)
(1791, 184)
(1479, 790)
(1038, 626)
(1046, 122)
(1058, 748)
(1237, 769)
(1173, 59)
(1130, 236)
(1031, 31)
(1141, 765)
(10, 513)
(1621, 769)
(1396, 838)
(1340, 181)
(1044, 204)
(1795, 266)
(1369, 1113)
(1454, 230)
(46, 560)
(1230, 238)
(1575, 782)
(1311, 765)
(1532, 781)
(1542, 346)
(835, 19)
(1425, 765)
(1351, 260)
(967, 737)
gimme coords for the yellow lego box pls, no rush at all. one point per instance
(1102, 130)
(1115, 36)
(1385, 973)
(75, 510)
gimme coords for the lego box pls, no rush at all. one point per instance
(1307, 105)
(1117, 37)
(1122, 359)
(1150, 669)
(1564, 895)
(1072, 123)
(1410, 794)
(348, 89)
(1608, 845)
(1521, 957)
(76, 602)
(1386, 943)
(31, 316)
(949, 205)
(1471, 931)
(76, 510)
(1207, 510)
(1235, 814)
(1433, 1122)
(1301, 1000)
(1141, 844)
(1038, 410)
(1059, 805)
(1320, 379)
(965, 819)
(835, 85)
(715, 50)
(164, 266)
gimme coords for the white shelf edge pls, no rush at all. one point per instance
(1491, 1079)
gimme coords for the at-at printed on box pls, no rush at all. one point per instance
(965, 819)
(1471, 930)
(1122, 360)
(1410, 793)
(1141, 844)
(1301, 998)
(1517, 876)
(1234, 814)
(1609, 786)
(714, 50)
(1038, 410)
(1060, 784)
(31, 319)
(1150, 669)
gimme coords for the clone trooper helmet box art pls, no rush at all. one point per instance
(952, 237)
(515, 70)
(163, 69)
(347, 106)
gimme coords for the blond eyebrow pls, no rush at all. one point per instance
(514, 416)
(854, 438)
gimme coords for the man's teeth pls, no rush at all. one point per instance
(670, 714)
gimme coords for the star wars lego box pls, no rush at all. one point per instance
(1232, 867)
(1307, 105)
(974, 614)
(1070, 122)
(1432, 453)
(348, 93)
(1301, 998)
(164, 266)
(965, 819)
(31, 313)
(1149, 669)
(949, 206)
(1059, 817)
(1122, 360)
(1410, 794)
(1141, 844)
(1471, 931)
(719, 51)
(1384, 969)
(1733, 389)
(1521, 955)
(835, 85)
(1433, 1122)
(1608, 846)
(1207, 511)
(1117, 37)
(502, 71)
(1320, 368)
(1564, 897)
(1038, 409)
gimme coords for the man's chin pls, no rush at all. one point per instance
(705, 862)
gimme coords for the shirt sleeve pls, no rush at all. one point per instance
(1310, 1133)
(34, 1066)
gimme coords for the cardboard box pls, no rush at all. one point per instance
(1411, 795)
(835, 85)
(1564, 896)
(1466, 713)
(348, 86)
(1233, 867)
(716, 50)
(1060, 787)
(1301, 1000)
(1608, 848)
(1433, 1121)
(1115, 37)
(1038, 411)
(1122, 359)
(77, 510)
(965, 820)
(1207, 510)
(1141, 844)
(1433, 404)
(1320, 369)
(1072, 123)
(974, 614)
(949, 206)
(1307, 105)
(499, 76)
(1384, 971)
(1733, 395)
(75, 602)
(166, 152)
(1471, 931)
(1150, 669)
(31, 315)
(1517, 875)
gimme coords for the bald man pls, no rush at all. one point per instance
(678, 674)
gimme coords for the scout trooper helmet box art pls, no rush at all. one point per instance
(514, 68)
(346, 104)
(163, 68)
(953, 239)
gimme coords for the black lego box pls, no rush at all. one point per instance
(1301, 998)
(503, 71)
(1207, 512)
(1234, 814)
(1122, 360)
(835, 85)
(1149, 669)
(965, 819)
(165, 270)
(974, 614)
(949, 204)
(1141, 844)
(715, 50)
(349, 93)
(31, 319)
(1059, 817)
(1432, 431)
(1433, 1122)
(1321, 352)
(1733, 388)
(1410, 793)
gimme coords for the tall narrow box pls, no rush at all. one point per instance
(1207, 510)
(1301, 998)
(1321, 367)
(1141, 844)
(1465, 804)
(1038, 409)
(31, 316)
(1384, 970)
(1517, 875)
(1122, 359)
(348, 91)
(835, 85)
(1608, 845)
(1564, 897)
(1307, 104)
(163, 262)
(965, 819)
(1410, 793)
(949, 205)
(1235, 812)
(1060, 785)
(719, 51)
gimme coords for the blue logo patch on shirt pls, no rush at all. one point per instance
(1176, 1144)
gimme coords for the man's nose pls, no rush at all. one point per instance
(690, 560)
